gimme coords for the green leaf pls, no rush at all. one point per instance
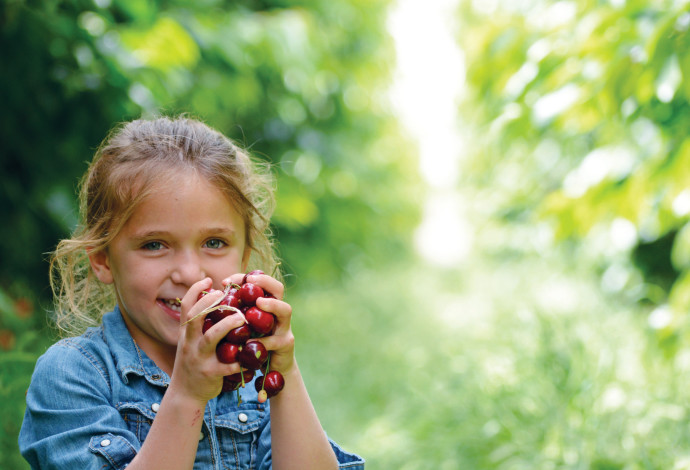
(164, 46)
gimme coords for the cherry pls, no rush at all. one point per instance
(252, 355)
(208, 323)
(229, 385)
(231, 299)
(239, 335)
(236, 347)
(218, 314)
(260, 321)
(234, 381)
(247, 373)
(227, 352)
(249, 293)
(272, 383)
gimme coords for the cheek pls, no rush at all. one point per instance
(137, 277)
(221, 268)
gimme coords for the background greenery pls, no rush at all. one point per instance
(560, 342)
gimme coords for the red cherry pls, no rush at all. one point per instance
(233, 382)
(273, 383)
(249, 293)
(231, 299)
(248, 376)
(208, 323)
(252, 355)
(218, 314)
(229, 385)
(256, 272)
(227, 352)
(239, 335)
(261, 322)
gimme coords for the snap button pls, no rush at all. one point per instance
(105, 442)
(155, 407)
(242, 417)
(201, 436)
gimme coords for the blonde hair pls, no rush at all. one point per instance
(122, 174)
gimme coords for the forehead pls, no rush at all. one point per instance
(184, 201)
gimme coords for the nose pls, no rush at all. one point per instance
(187, 268)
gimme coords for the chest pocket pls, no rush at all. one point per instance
(238, 432)
(139, 417)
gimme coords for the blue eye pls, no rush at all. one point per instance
(152, 246)
(215, 243)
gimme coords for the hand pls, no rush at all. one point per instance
(282, 342)
(197, 372)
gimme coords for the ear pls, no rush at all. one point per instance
(100, 264)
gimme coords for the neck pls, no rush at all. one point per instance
(163, 355)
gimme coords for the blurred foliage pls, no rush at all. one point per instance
(297, 82)
(513, 364)
(23, 334)
(585, 104)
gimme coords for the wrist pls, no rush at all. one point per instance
(294, 382)
(292, 371)
(179, 398)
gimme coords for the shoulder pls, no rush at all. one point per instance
(83, 355)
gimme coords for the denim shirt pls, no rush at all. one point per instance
(93, 398)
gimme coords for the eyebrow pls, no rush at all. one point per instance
(211, 231)
(224, 231)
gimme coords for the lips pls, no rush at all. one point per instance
(171, 306)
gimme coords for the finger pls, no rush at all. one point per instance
(282, 343)
(234, 279)
(192, 295)
(218, 331)
(228, 369)
(215, 368)
(268, 284)
(192, 318)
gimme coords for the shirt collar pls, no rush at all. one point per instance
(128, 356)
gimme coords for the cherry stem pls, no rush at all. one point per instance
(268, 364)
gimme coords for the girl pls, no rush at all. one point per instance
(170, 208)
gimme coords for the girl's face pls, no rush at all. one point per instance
(185, 231)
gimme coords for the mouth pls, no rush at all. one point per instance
(172, 304)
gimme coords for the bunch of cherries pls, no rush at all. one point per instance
(237, 345)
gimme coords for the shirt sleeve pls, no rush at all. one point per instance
(70, 421)
(346, 460)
